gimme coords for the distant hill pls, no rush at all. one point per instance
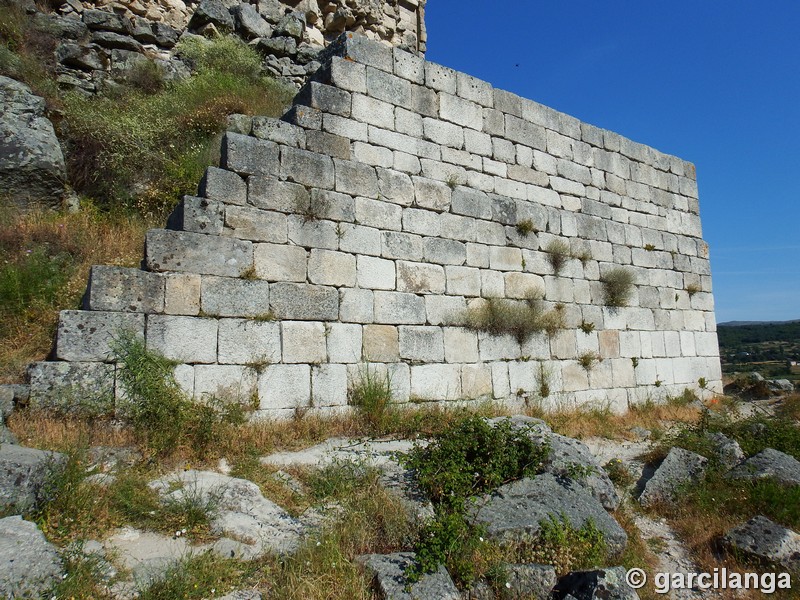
(743, 323)
(737, 333)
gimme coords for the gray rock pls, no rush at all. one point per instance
(70, 29)
(727, 451)
(6, 436)
(81, 57)
(679, 468)
(273, 10)
(388, 571)
(249, 23)
(69, 387)
(528, 581)
(241, 595)
(165, 35)
(781, 385)
(292, 25)
(6, 402)
(766, 541)
(769, 463)
(29, 564)
(641, 433)
(213, 12)
(279, 46)
(104, 20)
(605, 584)
(32, 167)
(109, 39)
(516, 510)
(24, 477)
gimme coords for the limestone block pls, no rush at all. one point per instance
(382, 215)
(275, 130)
(492, 284)
(365, 51)
(558, 289)
(249, 342)
(312, 233)
(525, 132)
(306, 168)
(303, 342)
(90, 335)
(360, 240)
(375, 273)
(369, 154)
(444, 310)
(284, 387)
(500, 383)
(523, 377)
(344, 343)
(373, 111)
(228, 297)
(270, 193)
(230, 382)
(575, 377)
(344, 74)
(333, 206)
(408, 66)
(498, 347)
(440, 78)
(564, 344)
(323, 142)
(247, 155)
(477, 142)
(397, 308)
(444, 252)
(475, 90)
(407, 122)
(442, 132)
(304, 116)
(505, 258)
(246, 223)
(356, 306)
(399, 381)
(436, 382)
(421, 343)
(275, 262)
(423, 222)
(388, 87)
(463, 281)
(460, 345)
(460, 111)
(395, 186)
(223, 186)
(431, 194)
(181, 293)
(184, 339)
(536, 346)
(355, 179)
(63, 385)
(476, 381)
(196, 253)
(523, 285)
(623, 372)
(332, 268)
(325, 98)
(420, 278)
(503, 151)
(472, 203)
(403, 143)
(401, 245)
(198, 215)
(381, 343)
(609, 343)
(477, 255)
(299, 301)
(424, 101)
(329, 385)
(346, 128)
(122, 289)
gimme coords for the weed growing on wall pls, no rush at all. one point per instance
(521, 319)
(372, 395)
(469, 459)
(617, 286)
(525, 227)
(558, 254)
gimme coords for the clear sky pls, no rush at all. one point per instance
(716, 83)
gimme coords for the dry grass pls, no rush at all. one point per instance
(63, 245)
(40, 430)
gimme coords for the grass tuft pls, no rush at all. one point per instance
(558, 253)
(617, 286)
(521, 319)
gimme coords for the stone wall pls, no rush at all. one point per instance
(99, 41)
(352, 236)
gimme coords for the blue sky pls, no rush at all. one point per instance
(716, 83)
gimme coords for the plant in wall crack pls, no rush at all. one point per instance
(587, 327)
(588, 360)
(693, 288)
(557, 254)
(372, 395)
(525, 227)
(582, 255)
(520, 318)
(617, 286)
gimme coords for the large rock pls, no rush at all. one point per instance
(388, 571)
(516, 511)
(769, 464)
(29, 564)
(528, 581)
(251, 524)
(569, 458)
(728, 452)
(766, 541)
(679, 468)
(214, 12)
(32, 169)
(24, 475)
(605, 584)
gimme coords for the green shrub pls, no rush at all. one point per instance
(340, 479)
(564, 546)
(521, 319)
(372, 396)
(589, 359)
(557, 254)
(196, 577)
(226, 54)
(617, 286)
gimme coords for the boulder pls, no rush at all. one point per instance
(769, 464)
(212, 12)
(24, 475)
(29, 565)
(605, 584)
(250, 24)
(32, 169)
(678, 469)
(765, 541)
(728, 452)
(292, 25)
(388, 571)
(781, 386)
(516, 511)
(6, 437)
(528, 581)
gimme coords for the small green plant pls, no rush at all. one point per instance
(589, 359)
(557, 254)
(702, 383)
(587, 327)
(196, 577)
(372, 395)
(264, 317)
(452, 181)
(658, 383)
(579, 471)
(543, 378)
(635, 362)
(146, 75)
(618, 473)
(564, 546)
(617, 286)
(649, 247)
(525, 227)
(340, 479)
(693, 288)
(521, 319)
(584, 256)
(249, 273)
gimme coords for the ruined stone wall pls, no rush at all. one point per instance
(354, 234)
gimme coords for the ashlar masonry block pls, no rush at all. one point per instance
(184, 339)
(436, 382)
(196, 253)
(123, 289)
(55, 383)
(344, 342)
(270, 193)
(248, 155)
(181, 293)
(306, 168)
(299, 301)
(303, 342)
(277, 262)
(284, 387)
(223, 186)
(231, 382)
(229, 297)
(90, 335)
(332, 268)
(249, 342)
(198, 215)
(246, 223)
(421, 343)
(397, 308)
(420, 278)
(329, 385)
(476, 381)
(381, 343)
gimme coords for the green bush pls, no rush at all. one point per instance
(521, 319)
(372, 395)
(617, 286)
